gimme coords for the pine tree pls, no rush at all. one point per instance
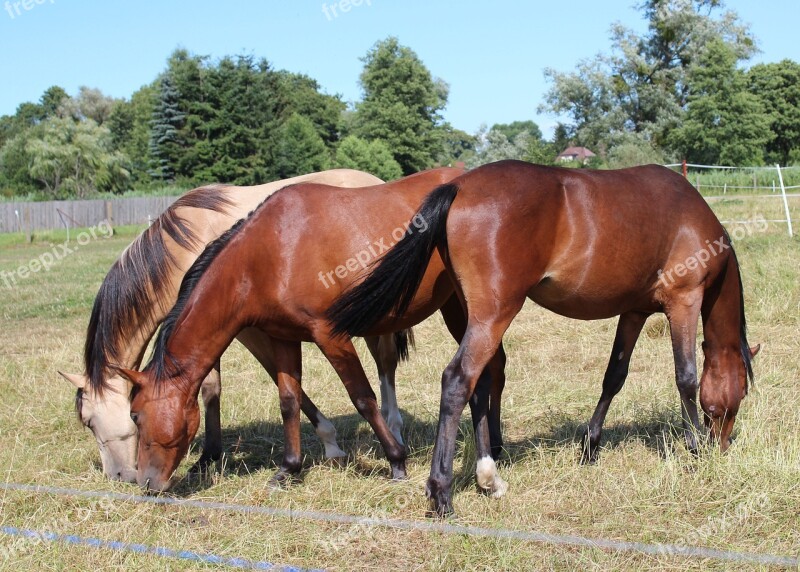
(164, 139)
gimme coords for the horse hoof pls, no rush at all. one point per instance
(441, 505)
(338, 462)
(281, 480)
(399, 471)
(202, 467)
(589, 457)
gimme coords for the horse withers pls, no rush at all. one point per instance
(586, 245)
(142, 286)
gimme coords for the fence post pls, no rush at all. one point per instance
(110, 216)
(785, 202)
(684, 169)
(28, 226)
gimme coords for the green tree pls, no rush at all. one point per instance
(230, 119)
(521, 140)
(51, 100)
(30, 114)
(15, 174)
(301, 94)
(777, 86)
(300, 149)
(90, 103)
(456, 145)
(370, 156)
(401, 105)
(511, 130)
(130, 126)
(165, 144)
(240, 136)
(639, 92)
(75, 159)
(724, 124)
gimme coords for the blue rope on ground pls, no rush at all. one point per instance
(160, 551)
(425, 526)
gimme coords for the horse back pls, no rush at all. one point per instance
(584, 243)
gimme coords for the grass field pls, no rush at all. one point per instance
(645, 488)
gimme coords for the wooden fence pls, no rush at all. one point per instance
(32, 217)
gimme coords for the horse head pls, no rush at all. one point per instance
(167, 417)
(723, 386)
(107, 415)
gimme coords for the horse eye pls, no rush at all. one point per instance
(135, 417)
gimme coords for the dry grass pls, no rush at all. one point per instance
(645, 488)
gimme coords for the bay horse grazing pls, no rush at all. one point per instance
(142, 286)
(586, 245)
(278, 271)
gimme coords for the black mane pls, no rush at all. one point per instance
(129, 294)
(744, 345)
(161, 361)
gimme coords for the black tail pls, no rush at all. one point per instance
(403, 341)
(391, 285)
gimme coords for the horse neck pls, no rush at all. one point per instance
(207, 225)
(722, 308)
(209, 322)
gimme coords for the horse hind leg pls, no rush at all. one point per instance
(343, 357)
(454, 316)
(628, 329)
(384, 352)
(485, 331)
(497, 369)
(488, 479)
(261, 346)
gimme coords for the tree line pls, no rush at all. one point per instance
(679, 91)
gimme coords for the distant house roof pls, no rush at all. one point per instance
(575, 154)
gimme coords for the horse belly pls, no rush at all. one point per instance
(587, 301)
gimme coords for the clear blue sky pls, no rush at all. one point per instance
(491, 54)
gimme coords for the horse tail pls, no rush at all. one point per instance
(394, 281)
(403, 342)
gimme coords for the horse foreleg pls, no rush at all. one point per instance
(682, 315)
(211, 391)
(384, 352)
(343, 357)
(628, 329)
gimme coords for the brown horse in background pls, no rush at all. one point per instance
(140, 289)
(586, 245)
(278, 271)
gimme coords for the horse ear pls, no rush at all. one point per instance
(137, 378)
(79, 381)
(754, 351)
